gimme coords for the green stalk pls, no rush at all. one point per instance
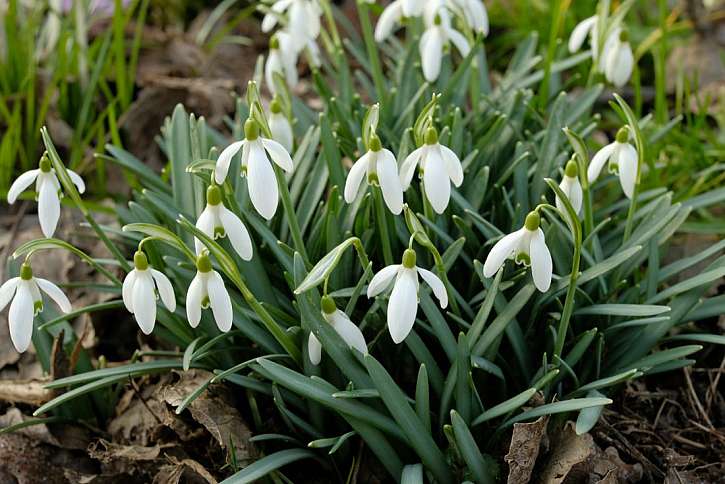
(291, 216)
(382, 219)
(368, 38)
(660, 58)
(559, 9)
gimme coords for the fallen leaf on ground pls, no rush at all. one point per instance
(524, 449)
(568, 449)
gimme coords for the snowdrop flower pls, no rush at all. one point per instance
(617, 60)
(140, 289)
(572, 188)
(526, 246)
(403, 303)
(282, 59)
(394, 14)
(439, 166)
(437, 35)
(218, 221)
(303, 18)
(49, 192)
(474, 13)
(621, 158)
(347, 330)
(587, 27)
(381, 168)
(256, 166)
(207, 290)
(280, 125)
(24, 291)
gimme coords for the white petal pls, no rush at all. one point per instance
(403, 305)
(431, 53)
(436, 181)
(436, 284)
(476, 15)
(412, 8)
(389, 182)
(165, 289)
(541, 265)
(459, 40)
(21, 183)
(382, 279)
(597, 163)
(20, 318)
(225, 158)
(576, 195)
(407, 169)
(77, 181)
(627, 169)
(453, 165)
(355, 177)
(7, 291)
(502, 250)
(144, 302)
(281, 130)
(271, 66)
(221, 304)
(127, 290)
(205, 223)
(270, 20)
(237, 233)
(388, 20)
(194, 295)
(48, 207)
(579, 34)
(262, 183)
(620, 63)
(55, 294)
(278, 154)
(349, 332)
(314, 349)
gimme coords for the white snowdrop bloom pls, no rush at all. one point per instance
(303, 18)
(526, 246)
(394, 13)
(587, 27)
(207, 290)
(438, 34)
(474, 13)
(347, 330)
(621, 158)
(217, 221)
(27, 302)
(282, 59)
(439, 166)
(403, 303)
(256, 166)
(48, 190)
(617, 60)
(140, 289)
(572, 188)
(381, 168)
(280, 126)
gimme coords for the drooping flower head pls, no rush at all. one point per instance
(438, 34)
(141, 288)
(348, 331)
(207, 290)
(48, 192)
(526, 246)
(439, 166)
(27, 302)
(617, 60)
(303, 18)
(572, 188)
(282, 59)
(257, 167)
(621, 158)
(377, 166)
(217, 221)
(280, 126)
(403, 303)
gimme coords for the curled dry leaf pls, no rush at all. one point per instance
(568, 449)
(524, 449)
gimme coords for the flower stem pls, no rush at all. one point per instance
(375, 66)
(382, 219)
(291, 215)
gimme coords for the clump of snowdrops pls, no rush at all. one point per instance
(404, 269)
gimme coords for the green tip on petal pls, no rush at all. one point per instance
(328, 305)
(45, 165)
(409, 258)
(437, 20)
(203, 263)
(251, 130)
(275, 106)
(274, 42)
(571, 170)
(624, 36)
(140, 261)
(623, 134)
(213, 195)
(26, 272)
(375, 144)
(533, 220)
(431, 136)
